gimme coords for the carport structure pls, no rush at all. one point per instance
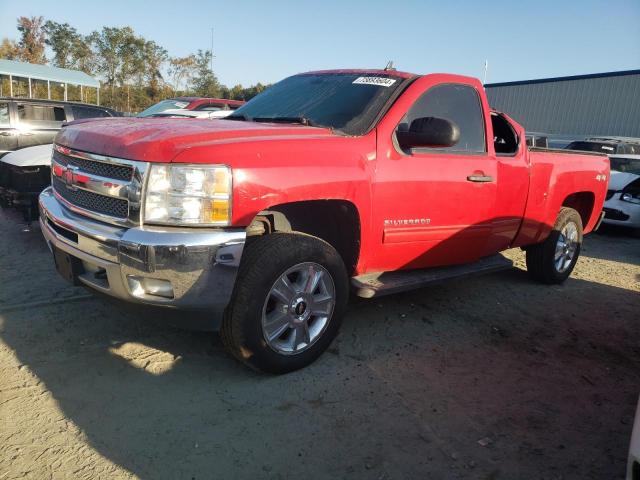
(19, 79)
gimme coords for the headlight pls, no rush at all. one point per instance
(188, 195)
(630, 197)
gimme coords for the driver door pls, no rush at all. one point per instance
(434, 205)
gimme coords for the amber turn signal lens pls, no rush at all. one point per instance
(220, 210)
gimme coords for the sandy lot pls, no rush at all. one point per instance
(487, 378)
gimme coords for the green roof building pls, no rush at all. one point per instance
(20, 79)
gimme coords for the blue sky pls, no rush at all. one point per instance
(266, 41)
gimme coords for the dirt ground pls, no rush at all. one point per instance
(486, 378)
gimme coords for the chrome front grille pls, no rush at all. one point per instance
(114, 207)
(102, 169)
(105, 188)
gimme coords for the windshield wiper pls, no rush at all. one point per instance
(241, 117)
(301, 120)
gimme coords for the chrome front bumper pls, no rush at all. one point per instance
(187, 268)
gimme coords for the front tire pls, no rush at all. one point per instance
(553, 260)
(287, 306)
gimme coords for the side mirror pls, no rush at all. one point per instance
(430, 132)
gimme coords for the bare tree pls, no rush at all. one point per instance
(182, 70)
(32, 39)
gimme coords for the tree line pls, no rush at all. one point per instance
(135, 72)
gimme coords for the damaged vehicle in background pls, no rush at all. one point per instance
(23, 175)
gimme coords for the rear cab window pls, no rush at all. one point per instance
(457, 103)
(43, 116)
(505, 139)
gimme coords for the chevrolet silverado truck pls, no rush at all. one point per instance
(374, 180)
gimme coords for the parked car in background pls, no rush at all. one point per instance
(608, 145)
(27, 128)
(191, 103)
(28, 122)
(361, 178)
(622, 206)
(183, 113)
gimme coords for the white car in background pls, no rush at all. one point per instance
(622, 205)
(182, 113)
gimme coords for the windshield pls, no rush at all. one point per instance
(347, 102)
(627, 165)
(592, 147)
(162, 106)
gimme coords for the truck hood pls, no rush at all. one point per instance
(619, 180)
(162, 139)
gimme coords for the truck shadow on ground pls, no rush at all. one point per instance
(545, 376)
(411, 384)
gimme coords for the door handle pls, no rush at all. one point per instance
(480, 178)
(13, 132)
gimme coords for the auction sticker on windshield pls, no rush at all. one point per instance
(380, 81)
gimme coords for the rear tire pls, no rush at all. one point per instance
(288, 302)
(553, 260)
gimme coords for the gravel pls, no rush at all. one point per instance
(493, 377)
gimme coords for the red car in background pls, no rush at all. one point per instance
(191, 103)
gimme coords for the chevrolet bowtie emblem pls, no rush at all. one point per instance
(69, 175)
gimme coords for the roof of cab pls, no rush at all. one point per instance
(365, 71)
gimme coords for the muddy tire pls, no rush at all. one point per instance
(288, 302)
(553, 260)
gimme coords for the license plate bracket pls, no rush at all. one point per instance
(69, 268)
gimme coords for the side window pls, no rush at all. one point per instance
(4, 114)
(505, 140)
(457, 103)
(47, 116)
(87, 112)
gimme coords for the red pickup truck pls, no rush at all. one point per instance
(376, 180)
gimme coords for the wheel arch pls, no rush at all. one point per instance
(583, 203)
(335, 221)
